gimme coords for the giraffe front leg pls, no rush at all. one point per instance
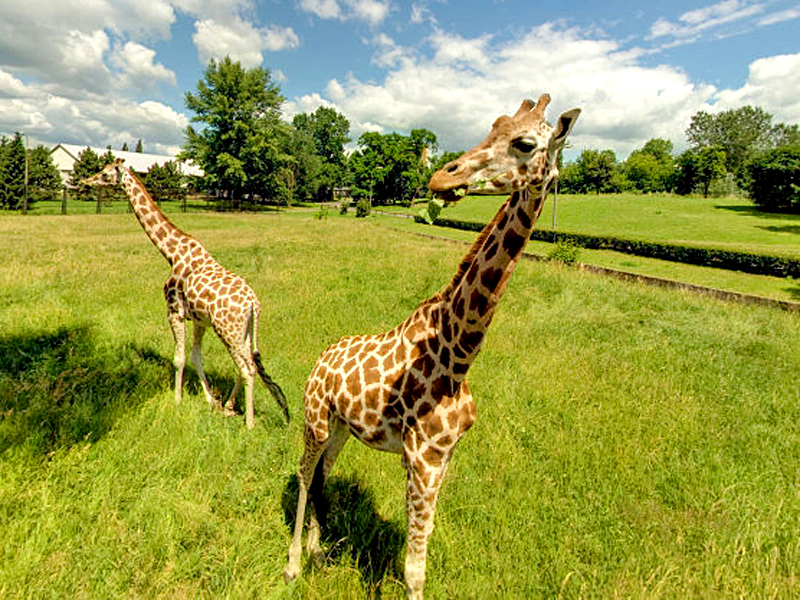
(425, 471)
(197, 361)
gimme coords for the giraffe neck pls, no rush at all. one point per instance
(469, 301)
(166, 236)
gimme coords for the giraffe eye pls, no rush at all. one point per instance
(523, 146)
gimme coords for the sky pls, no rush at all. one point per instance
(108, 72)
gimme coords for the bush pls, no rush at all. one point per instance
(775, 179)
(758, 264)
(565, 251)
(363, 208)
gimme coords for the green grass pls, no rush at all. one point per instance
(630, 441)
(724, 223)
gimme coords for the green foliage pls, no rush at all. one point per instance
(740, 134)
(565, 250)
(318, 149)
(12, 172)
(593, 171)
(775, 179)
(651, 169)
(243, 143)
(431, 212)
(710, 167)
(165, 182)
(363, 208)
(391, 168)
(44, 180)
(87, 164)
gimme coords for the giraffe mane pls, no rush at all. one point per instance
(469, 257)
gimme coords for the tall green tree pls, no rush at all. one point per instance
(44, 180)
(318, 151)
(775, 179)
(651, 168)
(391, 168)
(710, 167)
(12, 172)
(740, 133)
(165, 182)
(242, 145)
(594, 171)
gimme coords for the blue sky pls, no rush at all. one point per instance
(108, 72)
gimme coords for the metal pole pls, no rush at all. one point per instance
(25, 194)
(555, 203)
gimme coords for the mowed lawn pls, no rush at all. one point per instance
(724, 223)
(631, 441)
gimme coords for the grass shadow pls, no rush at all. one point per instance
(350, 525)
(755, 211)
(59, 387)
(795, 229)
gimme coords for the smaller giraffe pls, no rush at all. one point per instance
(203, 291)
(405, 390)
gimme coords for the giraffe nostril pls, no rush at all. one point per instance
(452, 168)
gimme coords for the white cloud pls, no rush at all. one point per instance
(138, 66)
(373, 12)
(773, 84)
(240, 40)
(720, 20)
(324, 9)
(463, 84)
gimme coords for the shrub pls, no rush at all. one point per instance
(363, 208)
(775, 179)
(565, 251)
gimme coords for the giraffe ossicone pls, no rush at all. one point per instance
(404, 391)
(202, 291)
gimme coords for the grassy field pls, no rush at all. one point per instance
(724, 223)
(630, 441)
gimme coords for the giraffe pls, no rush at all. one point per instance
(404, 391)
(200, 290)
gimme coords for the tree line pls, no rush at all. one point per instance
(735, 151)
(250, 155)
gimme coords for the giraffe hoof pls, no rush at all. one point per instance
(289, 575)
(228, 412)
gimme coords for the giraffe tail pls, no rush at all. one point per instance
(273, 387)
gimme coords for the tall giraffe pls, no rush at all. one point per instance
(404, 391)
(203, 291)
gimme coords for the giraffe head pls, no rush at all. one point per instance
(519, 151)
(110, 175)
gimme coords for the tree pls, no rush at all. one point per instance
(242, 146)
(594, 171)
(710, 167)
(12, 172)
(165, 182)
(87, 164)
(651, 168)
(44, 180)
(318, 149)
(124, 147)
(139, 147)
(740, 134)
(775, 179)
(390, 167)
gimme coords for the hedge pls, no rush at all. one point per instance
(758, 264)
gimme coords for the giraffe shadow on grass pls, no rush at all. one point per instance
(351, 525)
(59, 387)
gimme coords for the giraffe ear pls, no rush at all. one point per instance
(565, 123)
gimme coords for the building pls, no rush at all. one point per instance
(65, 155)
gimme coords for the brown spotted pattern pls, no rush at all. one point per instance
(404, 391)
(202, 291)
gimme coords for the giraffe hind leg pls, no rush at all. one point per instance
(308, 463)
(175, 316)
(197, 361)
(317, 507)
